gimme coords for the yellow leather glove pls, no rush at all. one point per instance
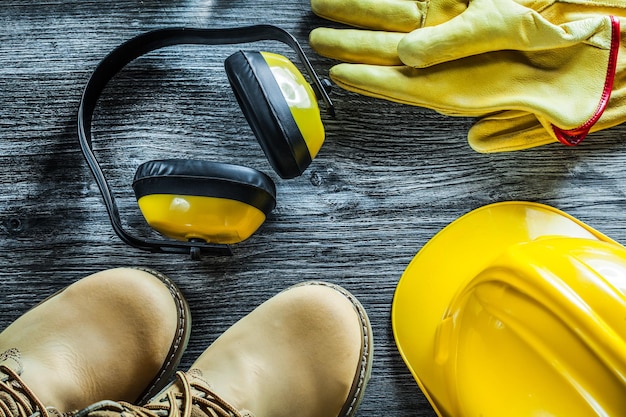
(552, 61)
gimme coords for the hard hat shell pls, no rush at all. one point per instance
(516, 309)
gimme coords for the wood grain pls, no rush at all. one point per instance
(387, 179)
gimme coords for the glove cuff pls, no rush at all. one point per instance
(574, 136)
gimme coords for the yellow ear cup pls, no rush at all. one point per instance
(300, 98)
(210, 219)
(200, 200)
(280, 107)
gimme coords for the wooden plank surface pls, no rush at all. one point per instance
(387, 179)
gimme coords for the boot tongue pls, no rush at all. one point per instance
(203, 394)
(10, 359)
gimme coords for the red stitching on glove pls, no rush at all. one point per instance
(574, 136)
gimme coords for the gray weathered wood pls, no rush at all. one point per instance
(388, 178)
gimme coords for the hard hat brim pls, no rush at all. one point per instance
(449, 261)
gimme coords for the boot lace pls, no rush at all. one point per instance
(194, 399)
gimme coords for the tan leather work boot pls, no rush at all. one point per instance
(119, 333)
(306, 352)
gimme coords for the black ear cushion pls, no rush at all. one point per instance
(268, 113)
(207, 179)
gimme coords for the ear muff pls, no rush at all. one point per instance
(204, 206)
(281, 108)
(200, 200)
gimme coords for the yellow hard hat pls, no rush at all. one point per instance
(516, 309)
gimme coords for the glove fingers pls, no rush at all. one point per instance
(492, 82)
(508, 131)
(358, 46)
(492, 25)
(388, 15)
(406, 85)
